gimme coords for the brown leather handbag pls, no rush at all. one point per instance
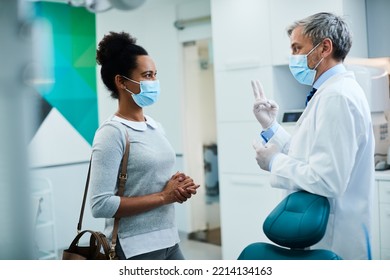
(98, 247)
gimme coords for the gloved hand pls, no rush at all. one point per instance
(265, 110)
(264, 154)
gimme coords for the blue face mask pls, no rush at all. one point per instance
(149, 92)
(300, 70)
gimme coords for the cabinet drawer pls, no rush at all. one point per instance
(245, 202)
(384, 191)
(385, 225)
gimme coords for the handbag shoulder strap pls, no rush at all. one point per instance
(79, 225)
(121, 188)
(123, 174)
(121, 185)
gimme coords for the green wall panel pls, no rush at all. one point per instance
(74, 93)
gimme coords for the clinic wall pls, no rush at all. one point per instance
(68, 115)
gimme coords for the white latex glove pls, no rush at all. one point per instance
(265, 110)
(264, 154)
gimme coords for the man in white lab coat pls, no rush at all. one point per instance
(331, 152)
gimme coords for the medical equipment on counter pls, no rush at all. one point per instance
(289, 119)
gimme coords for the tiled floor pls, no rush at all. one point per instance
(197, 250)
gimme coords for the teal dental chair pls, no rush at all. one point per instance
(298, 222)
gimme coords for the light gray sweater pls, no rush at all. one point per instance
(150, 166)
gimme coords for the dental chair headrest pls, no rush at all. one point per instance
(299, 221)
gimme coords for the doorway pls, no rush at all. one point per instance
(200, 140)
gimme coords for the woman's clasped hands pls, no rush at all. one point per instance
(180, 188)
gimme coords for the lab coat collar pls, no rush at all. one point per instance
(140, 126)
(333, 78)
(337, 69)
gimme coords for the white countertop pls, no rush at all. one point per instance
(382, 175)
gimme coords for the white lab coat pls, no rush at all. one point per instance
(331, 153)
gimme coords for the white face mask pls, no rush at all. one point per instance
(300, 69)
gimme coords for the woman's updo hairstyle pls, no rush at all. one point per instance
(117, 54)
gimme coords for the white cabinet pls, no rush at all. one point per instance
(246, 200)
(234, 94)
(384, 218)
(381, 220)
(235, 151)
(240, 34)
(246, 197)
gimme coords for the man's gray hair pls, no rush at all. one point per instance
(326, 25)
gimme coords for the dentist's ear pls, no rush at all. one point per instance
(327, 47)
